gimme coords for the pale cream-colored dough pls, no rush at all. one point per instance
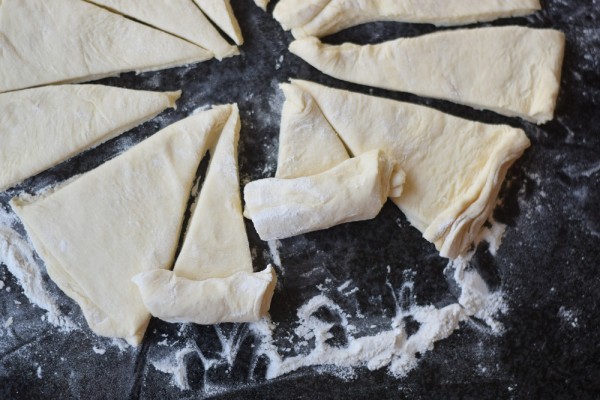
(354, 190)
(213, 279)
(262, 3)
(308, 145)
(62, 41)
(221, 14)
(512, 70)
(42, 127)
(454, 167)
(324, 17)
(241, 297)
(181, 18)
(125, 217)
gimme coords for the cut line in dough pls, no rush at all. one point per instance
(125, 217)
(181, 18)
(221, 14)
(213, 279)
(512, 70)
(454, 167)
(68, 41)
(354, 190)
(42, 127)
(324, 17)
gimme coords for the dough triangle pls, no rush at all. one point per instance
(221, 14)
(454, 167)
(512, 70)
(179, 17)
(262, 4)
(324, 17)
(73, 41)
(213, 279)
(308, 145)
(42, 127)
(98, 231)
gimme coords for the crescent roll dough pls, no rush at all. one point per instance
(512, 70)
(324, 17)
(454, 167)
(42, 127)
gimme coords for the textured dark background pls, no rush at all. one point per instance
(547, 266)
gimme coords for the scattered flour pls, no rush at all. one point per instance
(8, 322)
(99, 350)
(17, 255)
(39, 372)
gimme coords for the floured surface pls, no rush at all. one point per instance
(544, 267)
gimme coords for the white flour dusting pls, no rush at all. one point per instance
(17, 255)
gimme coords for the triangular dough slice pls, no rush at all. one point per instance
(262, 3)
(96, 232)
(324, 17)
(221, 14)
(42, 127)
(179, 17)
(73, 41)
(454, 167)
(512, 70)
(308, 145)
(213, 280)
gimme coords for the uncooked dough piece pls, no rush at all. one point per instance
(308, 145)
(262, 4)
(454, 167)
(241, 297)
(221, 14)
(324, 17)
(213, 280)
(354, 190)
(66, 41)
(98, 231)
(512, 70)
(179, 17)
(42, 127)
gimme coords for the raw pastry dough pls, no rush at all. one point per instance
(512, 70)
(262, 4)
(42, 127)
(65, 41)
(213, 280)
(98, 231)
(454, 167)
(308, 145)
(179, 17)
(354, 190)
(221, 14)
(325, 17)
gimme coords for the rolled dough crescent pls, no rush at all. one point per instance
(179, 17)
(66, 41)
(512, 70)
(454, 167)
(98, 231)
(221, 14)
(213, 280)
(42, 127)
(308, 145)
(354, 190)
(324, 17)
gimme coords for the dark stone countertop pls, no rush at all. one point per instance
(548, 265)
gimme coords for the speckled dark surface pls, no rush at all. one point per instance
(548, 265)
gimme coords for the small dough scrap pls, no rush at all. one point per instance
(221, 14)
(68, 41)
(324, 17)
(42, 127)
(454, 167)
(178, 17)
(125, 217)
(512, 70)
(308, 145)
(354, 190)
(241, 297)
(262, 4)
(213, 279)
